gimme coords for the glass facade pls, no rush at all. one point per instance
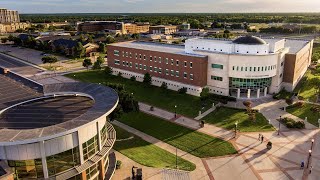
(63, 161)
(240, 83)
(27, 169)
(104, 135)
(216, 78)
(217, 66)
(77, 177)
(90, 148)
(92, 171)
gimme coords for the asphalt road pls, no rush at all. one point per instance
(17, 66)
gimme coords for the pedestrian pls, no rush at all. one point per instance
(259, 137)
(302, 165)
(310, 170)
(262, 138)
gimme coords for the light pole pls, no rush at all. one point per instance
(175, 111)
(235, 129)
(279, 126)
(310, 152)
(176, 158)
(312, 141)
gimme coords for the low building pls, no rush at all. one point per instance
(247, 67)
(191, 32)
(185, 26)
(107, 26)
(137, 28)
(12, 27)
(162, 29)
(57, 131)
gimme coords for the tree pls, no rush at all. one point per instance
(49, 59)
(79, 50)
(52, 28)
(226, 31)
(135, 36)
(98, 63)
(90, 39)
(108, 70)
(102, 48)
(164, 85)
(110, 39)
(250, 111)
(4, 40)
(86, 63)
(204, 93)
(133, 78)
(147, 79)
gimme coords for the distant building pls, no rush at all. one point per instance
(136, 28)
(162, 29)
(247, 67)
(108, 26)
(185, 26)
(9, 16)
(12, 27)
(191, 32)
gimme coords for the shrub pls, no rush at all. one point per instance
(315, 109)
(182, 90)
(108, 70)
(289, 101)
(133, 78)
(118, 164)
(269, 143)
(120, 74)
(299, 125)
(147, 79)
(290, 123)
(164, 85)
(151, 108)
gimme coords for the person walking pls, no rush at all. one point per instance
(302, 165)
(262, 138)
(259, 137)
(310, 170)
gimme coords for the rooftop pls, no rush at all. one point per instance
(166, 48)
(249, 40)
(295, 45)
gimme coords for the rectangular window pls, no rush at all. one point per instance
(246, 69)
(116, 52)
(216, 78)
(122, 53)
(233, 68)
(130, 55)
(167, 61)
(155, 69)
(177, 73)
(171, 61)
(254, 68)
(127, 54)
(144, 57)
(155, 59)
(172, 72)
(241, 68)
(237, 68)
(137, 66)
(167, 71)
(145, 67)
(185, 75)
(191, 76)
(127, 64)
(123, 63)
(136, 55)
(177, 62)
(150, 58)
(140, 56)
(185, 64)
(150, 68)
(217, 66)
(250, 68)
(159, 59)
(140, 66)
(265, 68)
(130, 64)
(190, 64)
(258, 68)
(261, 68)
(117, 62)
(160, 70)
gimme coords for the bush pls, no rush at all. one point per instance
(120, 74)
(147, 79)
(300, 98)
(315, 109)
(133, 78)
(289, 101)
(151, 108)
(182, 90)
(108, 70)
(297, 104)
(118, 164)
(290, 123)
(164, 85)
(269, 143)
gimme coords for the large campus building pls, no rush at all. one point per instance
(56, 131)
(247, 67)
(9, 16)
(108, 26)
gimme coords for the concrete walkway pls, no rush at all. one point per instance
(200, 171)
(204, 114)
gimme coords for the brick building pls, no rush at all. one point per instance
(136, 28)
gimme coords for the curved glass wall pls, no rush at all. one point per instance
(27, 169)
(240, 83)
(90, 148)
(77, 177)
(103, 133)
(92, 171)
(63, 161)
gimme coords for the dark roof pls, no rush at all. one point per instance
(24, 37)
(65, 42)
(250, 40)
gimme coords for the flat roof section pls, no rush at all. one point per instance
(174, 49)
(45, 112)
(295, 45)
(13, 92)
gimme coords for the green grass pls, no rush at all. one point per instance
(227, 117)
(166, 99)
(146, 153)
(193, 142)
(308, 86)
(305, 111)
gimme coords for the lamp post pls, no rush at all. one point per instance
(312, 141)
(279, 126)
(175, 111)
(310, 153)
(176, 158)
(235, 129)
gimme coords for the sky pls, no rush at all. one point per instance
(160, 6)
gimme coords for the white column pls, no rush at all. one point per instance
(265, 91)
(258, 93)
(80, 147)
(248, 94)
(99, 137)
(43, 160)
(238, 93)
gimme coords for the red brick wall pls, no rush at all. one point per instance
(199, 64)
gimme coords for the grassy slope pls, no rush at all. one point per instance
(305, 111)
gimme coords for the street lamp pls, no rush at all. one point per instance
(175, 111)
(235, 129)
(312, 141)
(310, 153)
(279, 126)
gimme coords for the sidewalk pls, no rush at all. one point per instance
(200, 171)
(188, 122)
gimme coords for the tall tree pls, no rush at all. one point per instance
(79, 50)
(86, 63)
(49, 59)
(147, 79)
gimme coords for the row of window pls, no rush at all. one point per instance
(153, 58)
(259, 68)
(155, 69)
(209, 49)
(90, 147)
(216, 78)
(217, 66)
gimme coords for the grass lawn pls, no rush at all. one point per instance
(147, 154)
(227, 117)
(308, 85)
(193, 142)
(305, 111)
(166, 99)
